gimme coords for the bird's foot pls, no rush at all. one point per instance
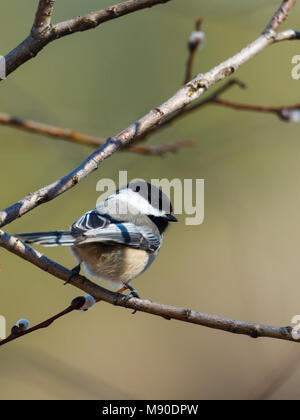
(133, 294)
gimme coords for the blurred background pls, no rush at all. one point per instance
(242, 262)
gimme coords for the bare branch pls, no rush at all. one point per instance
(214, 99)
(280, 16)
(187, 94)
(288, 35)
(187, 110)
(41, 37)
(282, 111)
(256, 108)
(43, 16)
(253, 330)
(93, 19)
(75, 136)
(75, 305)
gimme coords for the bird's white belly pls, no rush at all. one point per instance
(117, 264)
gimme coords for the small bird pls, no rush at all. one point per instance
(120, 238)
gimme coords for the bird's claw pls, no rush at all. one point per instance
(132, 294)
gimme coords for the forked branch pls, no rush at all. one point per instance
(42, 32)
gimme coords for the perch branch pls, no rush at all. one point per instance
(253, 330)
(183, 97)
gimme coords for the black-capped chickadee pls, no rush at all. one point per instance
(120, 238)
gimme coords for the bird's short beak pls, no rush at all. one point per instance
(171, 218)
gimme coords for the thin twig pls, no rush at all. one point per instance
(159, 150)
(192, 48)
(186, 95)
(288, 35)
(256, 108)
(75, 305)
(75, 136)
(214, 99)
(93, 19)
(253, 330)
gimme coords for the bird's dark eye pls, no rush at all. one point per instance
(137, 189)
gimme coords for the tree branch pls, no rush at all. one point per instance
(187, 94)
(43, 16)
(288, 35)
(184, 111)
(75, 136)
(282, 111)
(43, 33)
(253, 330)
(93, 19)
(75, 305)
(256, 108)
(280, 16)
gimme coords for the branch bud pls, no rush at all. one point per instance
(290, 115)
(20, 326)
(83, 303)
(197, 38)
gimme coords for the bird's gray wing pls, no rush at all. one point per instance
(89, 221)
(93, 227)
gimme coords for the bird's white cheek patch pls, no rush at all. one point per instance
(134, 203)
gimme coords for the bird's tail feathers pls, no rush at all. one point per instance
(55, 238)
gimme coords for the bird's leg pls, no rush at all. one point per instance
(133, 293)
(123, 288)
(75, 271)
